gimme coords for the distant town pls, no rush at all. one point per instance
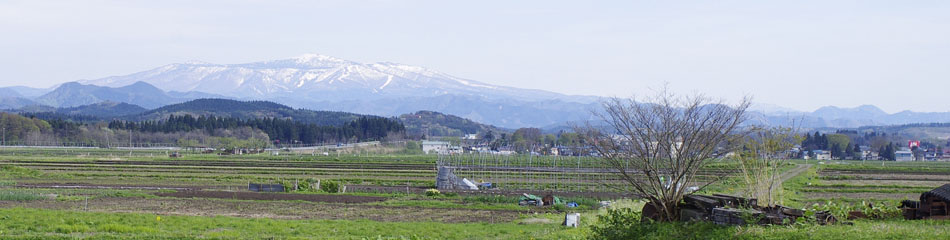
(837, 145)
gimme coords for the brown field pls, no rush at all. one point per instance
(271, 209)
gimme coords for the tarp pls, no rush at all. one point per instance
(469, 184)
(531, 197)
(525, 197)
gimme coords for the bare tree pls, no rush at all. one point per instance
(764, 153)
(659, 144)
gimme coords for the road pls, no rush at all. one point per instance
(785, 177)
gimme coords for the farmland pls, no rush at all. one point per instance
(115, 193)
(381, 192)
(871, 181)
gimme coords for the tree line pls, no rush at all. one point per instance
(279, 130)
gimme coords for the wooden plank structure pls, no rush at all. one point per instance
(933, 205)
(733, 210)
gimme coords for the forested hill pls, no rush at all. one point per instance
(286, 130)
(439, 124)
(107, 109)
(246, 110)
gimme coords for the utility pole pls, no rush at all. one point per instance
(130, 142)
(4, 136)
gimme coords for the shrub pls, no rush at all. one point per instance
(624, 223)
(880, 210)
(307, 185)
(330, 186)
(619, 223)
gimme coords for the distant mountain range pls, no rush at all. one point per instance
(320, 78)
(74, 94)
(837, 117)
(326, 83)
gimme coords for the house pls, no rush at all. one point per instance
(822, 154)
(436, 147)
(454, 150)
(565, 151)
(865, 153)
(505, 150)
(904, 156)
(471, 137)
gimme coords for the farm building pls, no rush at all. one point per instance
(903, 156)
(933, 205)
(821, 155)
(435, 147)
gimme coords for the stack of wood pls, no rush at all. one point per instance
(733, 210)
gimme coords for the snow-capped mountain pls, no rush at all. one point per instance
(322, 82)
(320, 78)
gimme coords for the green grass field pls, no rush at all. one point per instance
(37, 223)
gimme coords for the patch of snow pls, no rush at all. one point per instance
(389, 79)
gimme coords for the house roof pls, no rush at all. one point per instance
(942, 192)
(434, 143)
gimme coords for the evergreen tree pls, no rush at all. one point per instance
(881, 153)
(824, 142)
(849, 152)
(890, 152)
(836, 151)
(856, 151)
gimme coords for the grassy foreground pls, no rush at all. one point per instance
(20, 223)
(862, 229)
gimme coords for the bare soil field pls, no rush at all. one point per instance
(863, 195)
(889, 176)
(420, 190)
(104, 186)
(908, 183)
(272, 196)
(871, 181)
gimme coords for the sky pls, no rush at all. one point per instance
(796, 54)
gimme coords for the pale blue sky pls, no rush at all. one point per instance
(798, 54)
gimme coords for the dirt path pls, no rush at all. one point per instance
(784, 177)
(794, 172)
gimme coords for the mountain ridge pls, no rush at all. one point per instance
(246, 110)
(327, 83)
(74, 94)
(319, 77)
